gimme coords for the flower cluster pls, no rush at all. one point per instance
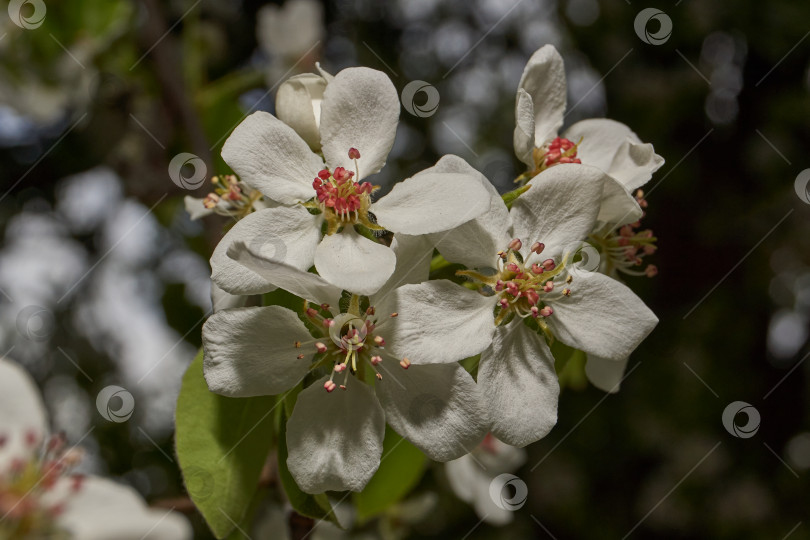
(395, 291)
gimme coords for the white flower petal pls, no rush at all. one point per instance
(195, 207)
(268, 155)
(544, 80)
(354, 263)
(22, 412)
(470, 482)
(560, 208)
(602, 317)
(436, 407)
(616, 149)
(252, 351)
(439, 322)
(335, 439)
(432, 201)
(517, 376)
(605, 374)
(287, 234)
(298, 282)
(360, 110)
(523, 137)
(619, 207)
(221, 300)
(298, 104)
(475, 243)
(413, 254)
(463, 476)
(103, 509)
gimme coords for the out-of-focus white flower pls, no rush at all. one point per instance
(40, 497)
(290, 35)
(470, 476)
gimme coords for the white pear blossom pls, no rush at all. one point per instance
(528, 271)
(335, 437)
(605, 144)
(40, 494)
(470, 476)
(358, 120)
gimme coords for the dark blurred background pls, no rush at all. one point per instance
(104, 278)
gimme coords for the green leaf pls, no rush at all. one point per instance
(313, 506)
(222, 445)
(400, 470)
(570, 364)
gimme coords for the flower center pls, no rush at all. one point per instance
(349, 342)
(231, 197)
(626, 248)
(29, 503)
(343, 200)
(525, 289)
(557, 151)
